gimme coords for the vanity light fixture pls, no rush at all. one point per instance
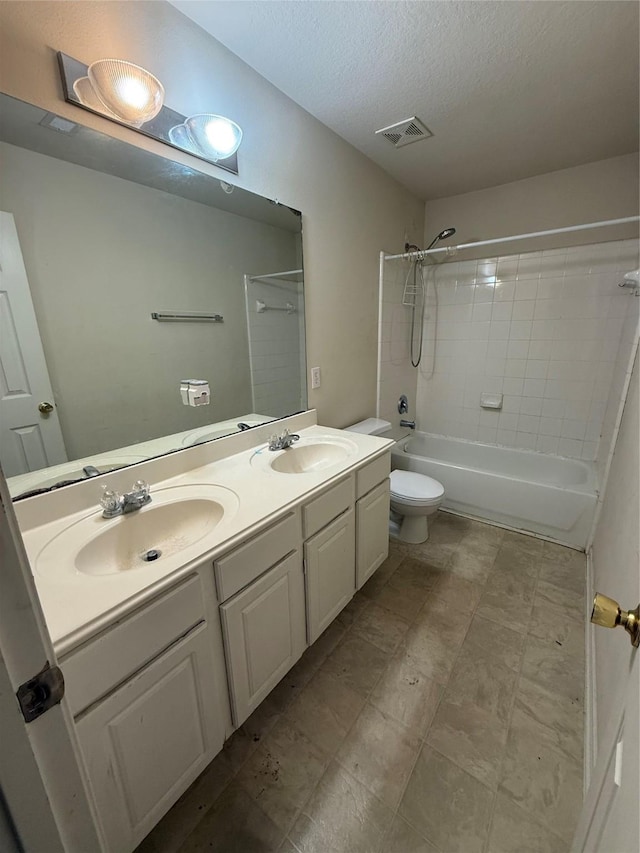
(131, 95)
(210, 136)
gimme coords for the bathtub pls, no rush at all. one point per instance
(522, 489)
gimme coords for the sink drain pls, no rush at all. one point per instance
(151, 555)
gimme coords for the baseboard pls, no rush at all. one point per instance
(590, 708)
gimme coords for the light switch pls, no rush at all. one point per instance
(315, 377)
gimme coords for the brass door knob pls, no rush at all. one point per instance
(45, 408)
(608, 613)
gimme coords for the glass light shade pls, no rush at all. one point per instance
(129, 92)
(86, 94)
(212, 136)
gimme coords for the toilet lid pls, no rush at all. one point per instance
(415, 487)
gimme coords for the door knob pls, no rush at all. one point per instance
(45, 408)
(608, 613)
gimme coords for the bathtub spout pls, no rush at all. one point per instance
(408, 424)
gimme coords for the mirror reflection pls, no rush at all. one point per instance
(96, 237)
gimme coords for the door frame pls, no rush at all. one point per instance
(42, 776)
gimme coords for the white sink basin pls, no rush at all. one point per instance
(164, 531)
(306, 456)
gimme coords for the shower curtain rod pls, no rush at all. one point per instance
(450, 249)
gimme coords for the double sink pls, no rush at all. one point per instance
(179, 519)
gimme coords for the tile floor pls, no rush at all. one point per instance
(442, 711)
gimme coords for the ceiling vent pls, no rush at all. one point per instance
(405, 132)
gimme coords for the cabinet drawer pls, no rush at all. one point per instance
(319, 512)
(246, 563)
(370, 475)
(107, 660)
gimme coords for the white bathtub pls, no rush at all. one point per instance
(535, 492)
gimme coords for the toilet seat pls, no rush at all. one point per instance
(415, 489)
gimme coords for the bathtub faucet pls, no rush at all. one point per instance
(408, 424)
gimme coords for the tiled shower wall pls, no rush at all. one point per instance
(542, 328)
(276, 346)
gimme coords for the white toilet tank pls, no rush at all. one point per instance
(370, 426)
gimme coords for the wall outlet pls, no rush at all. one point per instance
(315, 377)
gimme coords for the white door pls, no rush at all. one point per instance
(43, 782)
(610, 819)
(30, 439)
(330, 571)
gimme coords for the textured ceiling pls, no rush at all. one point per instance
(509, 89)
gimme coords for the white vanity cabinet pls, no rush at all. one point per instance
(263, 620)
(146, 737)
(372, 532)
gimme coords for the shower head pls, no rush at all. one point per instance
(443, 235)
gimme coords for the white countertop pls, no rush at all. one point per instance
(77, 605)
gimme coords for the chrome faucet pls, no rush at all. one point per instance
(282, 442)
(242, 426)
(90, 471)
(114, 504)
(408, 424)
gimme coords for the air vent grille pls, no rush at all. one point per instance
(405, 132)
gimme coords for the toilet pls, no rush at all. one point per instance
(414, 497)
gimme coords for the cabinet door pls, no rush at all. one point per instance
(372, 524)
(264, 634)
(330, 572)
(145, 743)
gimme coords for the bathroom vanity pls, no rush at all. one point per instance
(260, 551)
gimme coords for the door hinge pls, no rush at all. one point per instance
(41, 692)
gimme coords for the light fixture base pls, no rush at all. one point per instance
(72, 70)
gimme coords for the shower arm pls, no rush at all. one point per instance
(449, 249)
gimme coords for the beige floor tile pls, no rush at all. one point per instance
(381, 627)
(357, 663)
(435, 640)
(235, 824)
(459, 593)
(382, 574)
(562, 716)
(514, 583)
(342, 816)
(549, 665)
(505, 611)
(483, 535)
(325, 711)
(540, 778)
(549, 622)
(406, 602)
(502, 644)
(380, 752)
(552, 553)
(446, 805)
(354, 608)
(523, 542)
(184, 816)
(406, 693)
(570, 576)
(448, 529)
(472, 738)
(514, 830)
(574, 604)
(435, 553)
(480, 679)
(287, 847)
(512, 559)
(402, 838)
(282, 773)
(414, 574)
(473, 562)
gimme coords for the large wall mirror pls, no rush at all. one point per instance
(97, 236)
